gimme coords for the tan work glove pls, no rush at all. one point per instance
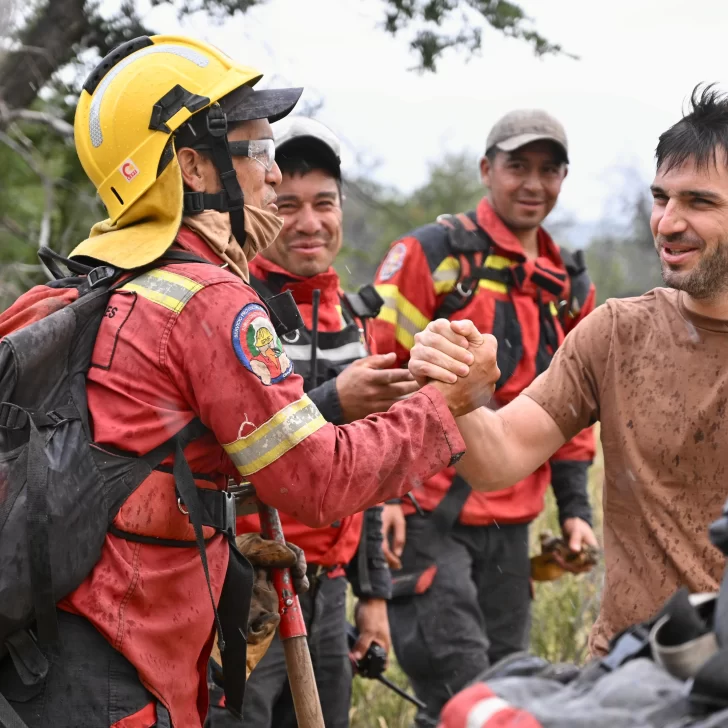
(264, 618)
(556, 558)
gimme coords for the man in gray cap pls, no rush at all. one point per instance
(462, 597)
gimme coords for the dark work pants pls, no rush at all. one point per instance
(476, 612)
(268, 701)
(89, 683)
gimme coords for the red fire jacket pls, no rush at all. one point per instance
(418, 272)
(182, 342)
(334, 544)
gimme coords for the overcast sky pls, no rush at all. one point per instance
(639, 60)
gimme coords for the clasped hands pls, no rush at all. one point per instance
(457, 359)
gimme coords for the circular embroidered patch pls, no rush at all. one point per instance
(258, 347)
(393, 262)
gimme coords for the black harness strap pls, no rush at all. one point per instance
(446, 514)
(186, 485)
(234, 607)
(231, 198)
(8, 717)
(41, 576)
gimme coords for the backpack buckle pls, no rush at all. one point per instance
(99, 275)
(12, 417)
(230, 515)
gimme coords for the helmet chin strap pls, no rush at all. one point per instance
(230, 199)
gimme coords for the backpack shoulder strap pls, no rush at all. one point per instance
(470, 244)
(465, 235)
(51, 260)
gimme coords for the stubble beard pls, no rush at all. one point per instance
(707, 280)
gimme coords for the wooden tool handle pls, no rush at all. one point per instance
(292, 631)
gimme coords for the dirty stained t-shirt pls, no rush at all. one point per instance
(655, 375)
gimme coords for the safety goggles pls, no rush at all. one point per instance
(261, 150)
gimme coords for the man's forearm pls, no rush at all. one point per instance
(485, 464)
(505, 446)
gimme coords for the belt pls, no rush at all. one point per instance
(315, 572)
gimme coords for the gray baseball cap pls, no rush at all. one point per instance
(295, 133)
(521, 127)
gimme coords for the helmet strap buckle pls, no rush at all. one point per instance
(194, 203)
(217, 125)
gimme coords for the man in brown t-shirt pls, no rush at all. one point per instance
(652, 370)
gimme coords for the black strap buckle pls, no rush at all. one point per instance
(230, 518)
(12, 417)
(56, 418)
(218, 509)
(30, 663)
(367, 303)
(100, 275)
(194, 203)
(217, 125)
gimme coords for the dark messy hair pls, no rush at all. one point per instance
(297, 160)
(700, 135)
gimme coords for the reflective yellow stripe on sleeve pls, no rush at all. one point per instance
(406, 318)
(281, 433)
(170, 290)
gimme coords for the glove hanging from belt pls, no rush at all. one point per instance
(265, 555)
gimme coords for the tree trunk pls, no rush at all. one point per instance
(47, 43)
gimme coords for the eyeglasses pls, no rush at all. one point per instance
(261, 150)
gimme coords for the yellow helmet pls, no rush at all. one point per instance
(130, 107)
(263, 337)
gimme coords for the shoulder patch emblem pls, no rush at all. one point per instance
(258, 347)
(393, 262)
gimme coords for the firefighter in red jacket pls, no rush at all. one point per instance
(165, 127)
(345, 382)
(462, 599)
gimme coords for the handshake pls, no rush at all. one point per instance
(459, 361)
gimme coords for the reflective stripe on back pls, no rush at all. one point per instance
(165, 288)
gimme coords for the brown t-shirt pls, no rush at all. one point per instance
(655, 375)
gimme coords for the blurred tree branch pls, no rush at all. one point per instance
(429, 17)
(46, 42)
(56, 32)
(47, 45)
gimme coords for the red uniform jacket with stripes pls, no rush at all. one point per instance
(192, 340)
(418, 272)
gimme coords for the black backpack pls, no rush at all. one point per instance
(59, 490)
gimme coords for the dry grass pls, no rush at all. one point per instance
(563, 612)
